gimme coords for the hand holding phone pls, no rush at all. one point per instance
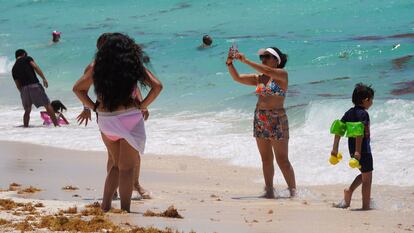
(233, 50)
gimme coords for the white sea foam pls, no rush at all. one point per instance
(5, 65)
(228, 135)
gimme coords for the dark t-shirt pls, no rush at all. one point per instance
(24, 72)
(358, 114)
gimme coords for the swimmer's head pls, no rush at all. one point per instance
(55, 36)
(207, 40)
(20, 53)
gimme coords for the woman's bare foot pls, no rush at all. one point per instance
(105, 207)
(144, 193)
(269, 193)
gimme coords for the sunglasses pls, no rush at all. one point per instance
(265, 56)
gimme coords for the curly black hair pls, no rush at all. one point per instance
(117, 70)
(102, 38)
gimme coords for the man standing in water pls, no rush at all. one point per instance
(31, 92)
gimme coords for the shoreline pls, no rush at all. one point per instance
(211, 195)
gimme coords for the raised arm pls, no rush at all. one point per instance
(247, 79)
(279, 75)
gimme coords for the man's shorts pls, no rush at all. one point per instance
(33, 94)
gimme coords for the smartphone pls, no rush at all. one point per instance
(233, 50)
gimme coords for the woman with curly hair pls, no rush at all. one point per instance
(117, 70)
(85, 115)
(270, 124)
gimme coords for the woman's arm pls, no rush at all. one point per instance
(81, 88)
(138, 99)
(279, 75)
(247, 79)
(156, 87)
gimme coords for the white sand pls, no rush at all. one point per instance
(211, 195)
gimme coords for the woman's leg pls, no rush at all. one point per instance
(144, 193)
(111, 182)
(127, 162)
(108, 168)
(281, 149)
(266, 153)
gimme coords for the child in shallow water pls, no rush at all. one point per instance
(58, 107)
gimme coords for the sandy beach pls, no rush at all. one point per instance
(211, 195)
(213, 76)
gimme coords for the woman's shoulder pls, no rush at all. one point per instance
(282, 71)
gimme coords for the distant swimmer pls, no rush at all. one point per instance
(207, 42)
(55, 36)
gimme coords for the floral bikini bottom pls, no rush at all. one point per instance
(271, 124)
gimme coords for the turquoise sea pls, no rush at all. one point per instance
(332, 45)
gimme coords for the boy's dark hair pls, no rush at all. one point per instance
(57, 106)
(20, 52)
(362, 92)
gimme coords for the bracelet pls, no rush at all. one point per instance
(86, 108)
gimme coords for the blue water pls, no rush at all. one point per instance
(201, 110)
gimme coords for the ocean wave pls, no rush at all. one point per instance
(5, 66)
(228, 135)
